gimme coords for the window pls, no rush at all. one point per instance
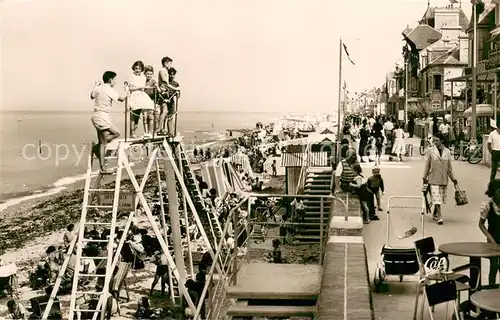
(437, 81)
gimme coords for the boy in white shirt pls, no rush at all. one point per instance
(103, 96)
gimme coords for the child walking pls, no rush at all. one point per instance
(103, 96)
(273, 166)
(376, 185)
(490, 214)
(364, 193)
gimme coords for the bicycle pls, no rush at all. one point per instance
(424, 145)
(473, 156)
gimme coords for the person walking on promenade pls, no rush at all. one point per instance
(411, 126)
(437, 169)
(494, 149)
(490, 213)
(364, 134)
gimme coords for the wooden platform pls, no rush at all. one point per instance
(277, 281)
(142, 140)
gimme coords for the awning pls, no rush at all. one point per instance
(484, 77)
(315, 159)
(482, 110)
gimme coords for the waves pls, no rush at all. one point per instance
(62, 184)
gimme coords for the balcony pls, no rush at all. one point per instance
(493, 59)
(481, 65)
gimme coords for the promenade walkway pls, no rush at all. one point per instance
(460, 224)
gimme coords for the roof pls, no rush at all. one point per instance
(486, 17)
(422, 36)
(430, 13)
(314, 159)
(449, 58)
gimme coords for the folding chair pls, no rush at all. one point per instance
(434, 268)
(442, 292)
(38, 305)
(118, 281)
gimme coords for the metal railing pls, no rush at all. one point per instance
(230, 254)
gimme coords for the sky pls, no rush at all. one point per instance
(241, 55)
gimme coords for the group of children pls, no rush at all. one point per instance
(368, 190)
(155, 101)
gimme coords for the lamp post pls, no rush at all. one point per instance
(473, 137)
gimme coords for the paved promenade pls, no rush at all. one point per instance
(460, 224)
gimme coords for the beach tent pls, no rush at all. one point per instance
(221, 175)
(242, 159)
(231, 175)
(213, 175)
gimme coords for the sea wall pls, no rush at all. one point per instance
(345, 289)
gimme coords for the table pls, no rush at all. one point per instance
(488, 300)
(475, 251)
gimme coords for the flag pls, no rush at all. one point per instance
(347, 53)
(453, 1)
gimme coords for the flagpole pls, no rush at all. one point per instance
(340, 92)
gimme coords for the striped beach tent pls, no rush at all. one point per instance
(232, 175)
(212, 173)
(242, 160)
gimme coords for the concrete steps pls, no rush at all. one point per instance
(240, 310)
(318, 182)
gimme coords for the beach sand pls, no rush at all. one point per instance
(28, 228)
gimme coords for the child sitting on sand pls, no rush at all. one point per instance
(104, 95)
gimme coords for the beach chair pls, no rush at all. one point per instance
(8, 280)
(119, 281)
(38, 305)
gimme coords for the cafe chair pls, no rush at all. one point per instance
(442, 292)
(434, 268)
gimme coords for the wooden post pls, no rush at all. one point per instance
(495, 102)
(452, 102)
(321, 231)
(236, 231)
(249, 231)
(186, 218)
(173, 209)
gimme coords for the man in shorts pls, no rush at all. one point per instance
(161, 272)
(104, 95)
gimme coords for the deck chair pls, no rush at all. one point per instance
(118, 281)
(38, 305)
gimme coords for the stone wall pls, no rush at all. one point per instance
(345, 288)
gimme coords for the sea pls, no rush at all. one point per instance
(44, 152)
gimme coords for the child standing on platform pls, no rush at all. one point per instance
(103, 96)
(139, 100)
